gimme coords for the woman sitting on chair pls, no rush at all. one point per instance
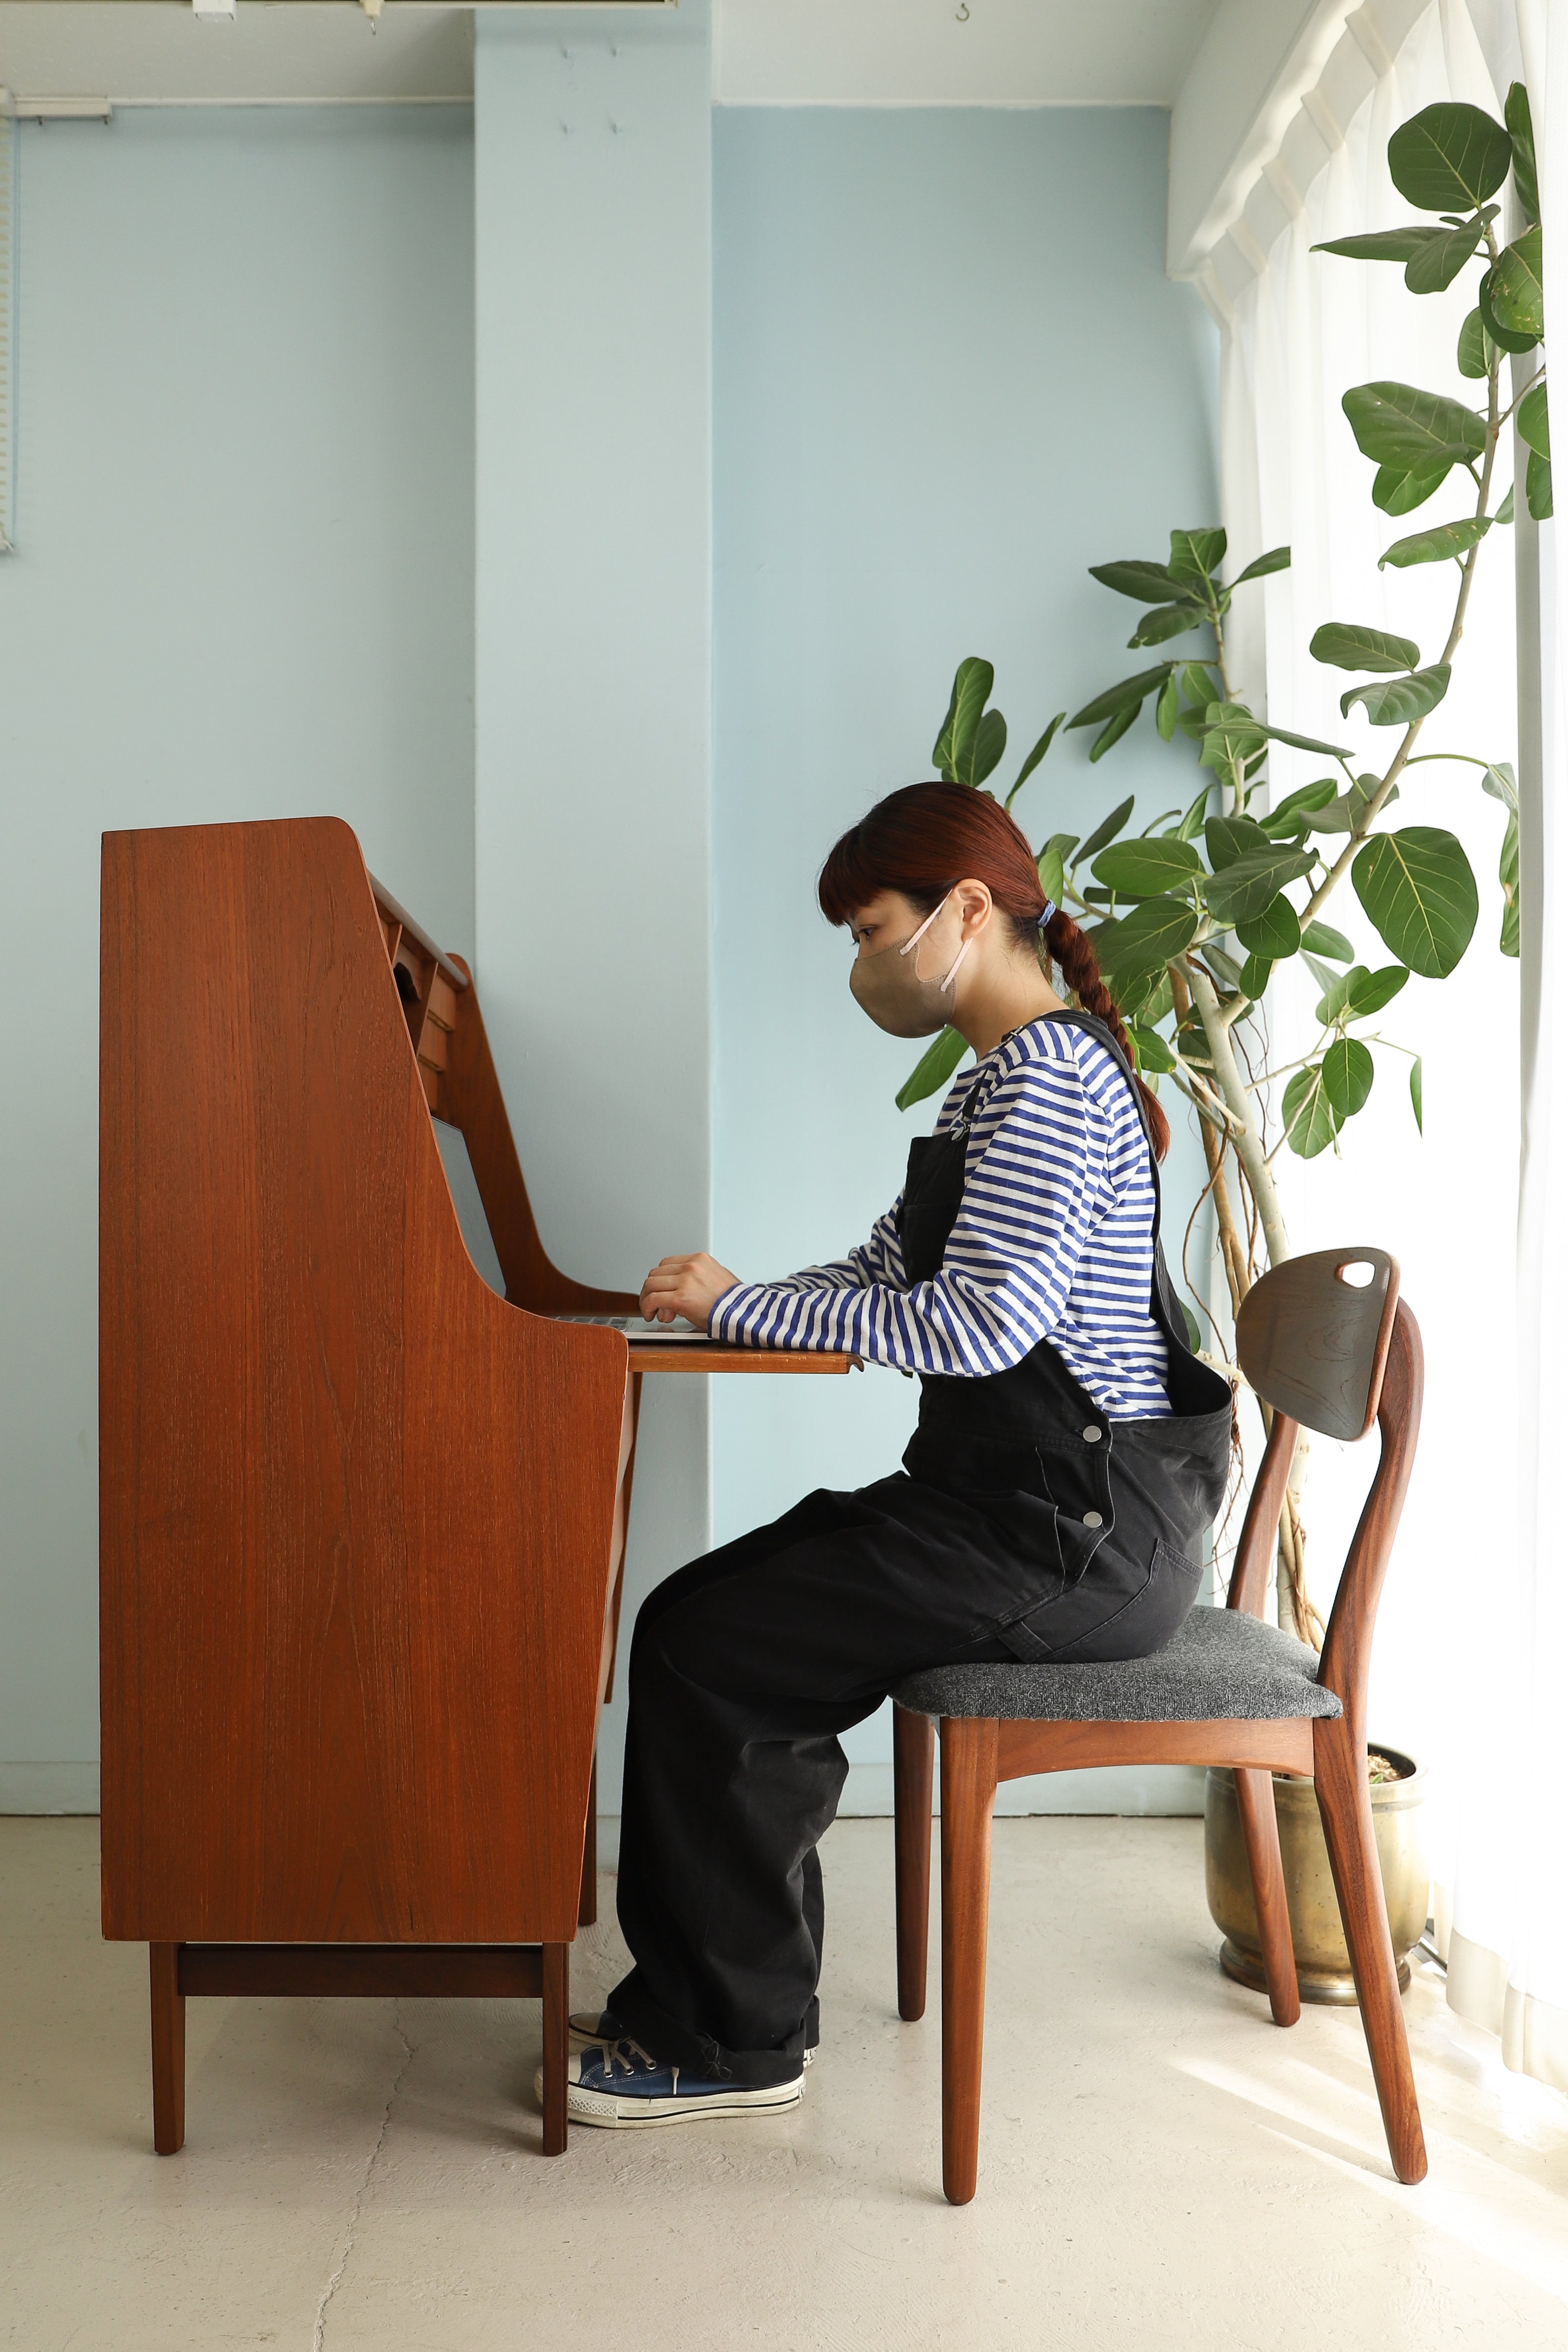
(1070, 1455)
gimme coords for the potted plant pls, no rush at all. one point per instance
(1193, 911)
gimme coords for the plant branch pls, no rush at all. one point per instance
(1247, 1139)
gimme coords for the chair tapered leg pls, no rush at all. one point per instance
(913, 1744)
(168, 2049)
(587, 1899)
(557, 2003)
(1260, 1828)
(1344, 1800)
(969, 1792)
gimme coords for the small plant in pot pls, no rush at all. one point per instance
(1193, 910)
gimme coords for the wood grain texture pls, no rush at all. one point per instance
(1347, 1644)
(968, 1793)
(1344, 1802)
(1077, 1747)
(168, 2006)
(1254, 1561)
(362, 1971)
(1261, 1830)
(356, 1511)
(914, 1748)
(669, 1356)
(1314, 1345)
(557, 2008)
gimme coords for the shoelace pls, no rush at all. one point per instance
(615, 2064)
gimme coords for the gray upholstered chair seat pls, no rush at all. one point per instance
(1222, 1665)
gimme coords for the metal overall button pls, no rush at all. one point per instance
(1093, 1519)
(1092, 1434)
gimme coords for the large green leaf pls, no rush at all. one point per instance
(1383, 243)
(1164, 621)
(1500, 782)
(1197, 555)
(1349, 645)
(1538, 488)
(1294, 810)
(1358, 992)
(1153, 1054)
(1534, 422)
(972, 686)
(1396, 490)
(1306, 743)
(1474, 353)
(1105, 830)
(1449, 158)
(1348, 811)
(1347, 1076)
(1275, 933)
(1516, 114)
(1115, 727)
(1321, 938)
(984, 751)
(1244, 890)
(1050, 865)
(1514, 292)
(1401, 699)
(1508, 874)
(1144, 869)
(1166, 708)
(1256, 973)
(1437, 266)
(1149, 583)
(1307, 1113)
(1133, 949)
(1035, 757)
(1419, 893)
(1507, 339)
(1227, 838)
(1277, 560)
(1398, 425)
(1445, 543)
(1416, 1093)
(1127, 692)
(934, 1068)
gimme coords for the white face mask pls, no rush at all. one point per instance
(890, 987)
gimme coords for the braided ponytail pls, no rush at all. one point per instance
(1081, 971)
(921, 840)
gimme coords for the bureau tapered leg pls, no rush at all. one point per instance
(557, 2001)
(168, 2049)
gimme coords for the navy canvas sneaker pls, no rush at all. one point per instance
(617, 2084)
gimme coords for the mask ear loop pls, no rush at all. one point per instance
(913, 941)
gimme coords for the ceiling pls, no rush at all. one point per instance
(766, 52)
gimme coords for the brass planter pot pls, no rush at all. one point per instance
(1322, 1963)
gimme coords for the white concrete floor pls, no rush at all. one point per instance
(1159, 2165)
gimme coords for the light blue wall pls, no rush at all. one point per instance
(244, 589)
(949, 373)
(593, 634)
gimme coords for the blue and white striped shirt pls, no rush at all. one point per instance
(1054, 1240)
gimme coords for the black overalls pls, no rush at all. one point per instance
(1026, 1526)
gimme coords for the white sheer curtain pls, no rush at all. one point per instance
(1473, 1620)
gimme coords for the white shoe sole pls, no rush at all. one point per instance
(611, 2113)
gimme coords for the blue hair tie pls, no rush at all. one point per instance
(1049, 911)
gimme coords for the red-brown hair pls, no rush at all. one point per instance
(923, 840)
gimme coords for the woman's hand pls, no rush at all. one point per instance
(686, 1286)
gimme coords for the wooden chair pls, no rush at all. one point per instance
(1325, 1353)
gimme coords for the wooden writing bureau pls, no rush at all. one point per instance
(362, 1519)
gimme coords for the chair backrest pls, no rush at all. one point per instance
(1312, 1338)
(1335, 1356)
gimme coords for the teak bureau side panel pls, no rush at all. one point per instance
(356, 1511)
